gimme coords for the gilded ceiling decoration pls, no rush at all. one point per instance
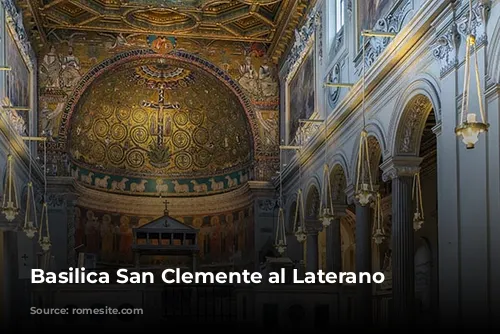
(271, 22)
(159, 117)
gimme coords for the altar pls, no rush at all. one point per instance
(166, 237)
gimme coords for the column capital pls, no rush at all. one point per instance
(339, 210)
(400, 166)
(313, 226)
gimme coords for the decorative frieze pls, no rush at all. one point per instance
(445, 49)
(14, 18)
(399, 167)
(304, 37)
(477, 26)
(393, 22)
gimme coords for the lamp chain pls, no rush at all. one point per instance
(364, 80)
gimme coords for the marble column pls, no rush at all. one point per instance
(312, 261)
(363, 264)
(402, 171)
(334, 241)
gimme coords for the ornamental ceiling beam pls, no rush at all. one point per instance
(33, 5)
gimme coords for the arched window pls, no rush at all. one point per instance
(336, 10)
(339, 15)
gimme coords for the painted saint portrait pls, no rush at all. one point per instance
(17, 84)
(301, 94)
(369, 12)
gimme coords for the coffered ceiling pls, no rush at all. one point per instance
(268, 21)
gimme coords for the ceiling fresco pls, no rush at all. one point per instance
(159, 117)
(271, 22)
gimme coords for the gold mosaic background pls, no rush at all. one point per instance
(206, 135)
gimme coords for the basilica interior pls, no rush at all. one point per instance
(221, 136)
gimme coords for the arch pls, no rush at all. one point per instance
(493, 55)
(411, 113)
(341, 160)
(312, 201)
(338, 183)
(314, 181)
(127, 56)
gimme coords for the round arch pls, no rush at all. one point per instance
(338, 182)
(340, 159)
(127, 56)
(312, 201)
(411, 112)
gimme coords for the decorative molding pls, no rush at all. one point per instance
(335, 76)
(319, 27)
(56, 200)
(480, 13)
(349, 9)
(400, 167)
(148, 185)
(445, 49)
(266, 207)
(178, 207)
(415, 113)
(393, 22)
(304, 38)
(14, 19)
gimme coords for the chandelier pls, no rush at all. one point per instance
(364, 184)
(378, 226)
(418, 215)
(470, 127)
(280, 238)
(326, 202)
(30, 220)
(299, 224)
(364, 192)
(10, 205)
(44, 233)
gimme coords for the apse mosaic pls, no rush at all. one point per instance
(159, 117)
(242, 66)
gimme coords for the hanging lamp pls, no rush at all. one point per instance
(30, 220)
(10, 205)
(280, 240)
(326, 203)
(418, 216)
(44, 232)
(299, 224)
(364, 191)
(30, 226)
(378, 228)
(470, 127)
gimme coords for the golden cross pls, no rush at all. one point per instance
(160, 106)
